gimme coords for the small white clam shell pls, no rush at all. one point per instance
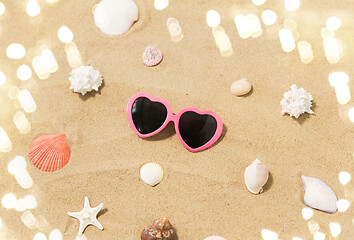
(319, 195)
(151, 173)
(256, 175)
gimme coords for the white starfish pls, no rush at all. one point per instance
(87, 216)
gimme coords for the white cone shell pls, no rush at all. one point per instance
(256, 175)
(151, 173)
(115, 17)
(319, 195)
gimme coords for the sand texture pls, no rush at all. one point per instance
(202, 194)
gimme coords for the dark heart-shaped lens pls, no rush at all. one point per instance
(196, 130)
(148, 116)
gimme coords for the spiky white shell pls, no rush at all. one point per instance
(151, 173)
(296, 101)
(256, 175)
(319, 195)
(85, 79)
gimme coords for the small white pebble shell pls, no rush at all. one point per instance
(256, 175)
(151, 173)
(241, 87)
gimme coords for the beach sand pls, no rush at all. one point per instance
(202, 194)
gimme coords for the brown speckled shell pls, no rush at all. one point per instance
(161, 229)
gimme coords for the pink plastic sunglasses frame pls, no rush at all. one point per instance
(174, 118)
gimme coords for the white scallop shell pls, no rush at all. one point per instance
(115, 17)
(151, 173)
(256, 175)
(319, 195)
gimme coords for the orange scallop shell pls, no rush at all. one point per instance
(50, 152)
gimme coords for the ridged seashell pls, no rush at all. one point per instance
(152, 56)
(214, 238)
(50, 152)
(151, 173)
(256, 175)
(319, 195)
(160, 229)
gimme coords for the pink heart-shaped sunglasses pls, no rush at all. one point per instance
(197, 130)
